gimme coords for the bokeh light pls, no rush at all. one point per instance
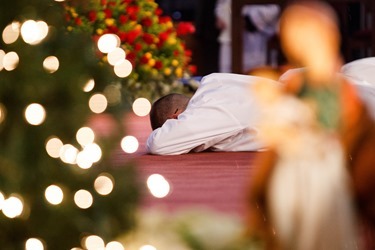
(2, 112)
(123, 69)
(116, 56)
(141, 106)
(98, 103)
(104, 184)
(35, 114)
(114, 245)
(33, 32)
(93, 242)
(2, 55)
(10, 61)
(2, 200)
(85, 135)
(12, 207)
(53, 147)
(94, 151)
(54, 194)
(147, 247)
(84, 160)
(51, 64)
(83, 199)
(90, 84)
(129, 144)
(11, 33)
(158, 185)
(108, 42)
(34, 244)
(68, 153)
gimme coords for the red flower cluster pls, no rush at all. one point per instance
(152, 42)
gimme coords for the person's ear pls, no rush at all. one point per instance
(174, 116)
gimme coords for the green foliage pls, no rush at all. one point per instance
(25, 167)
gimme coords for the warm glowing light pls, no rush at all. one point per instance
(93, 242)
(90, 84)
(33, 32)
(2, 55)
(2, 200)
(94, 151)
(116, 56)
(147, 247)
(141, 106)
(51, 64)
(114, 245)
(85, 135)
(54, 194)
(158, 185)
(53, 147)
(68, 154)
(35, 114)
(83, 199)
(104, 184)
(2, 113)
(11, 33)
(129, 144)
(123, 69)
(84, 160)
(108, 43)
(10, 61)
(34, 244)
(98, 103)
(12, 207)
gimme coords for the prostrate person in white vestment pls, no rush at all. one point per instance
(221, 116)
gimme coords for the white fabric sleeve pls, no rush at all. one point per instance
(195, 130)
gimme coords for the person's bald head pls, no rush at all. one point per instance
(167, 107)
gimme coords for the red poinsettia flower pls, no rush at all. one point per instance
(188, 53)
(92, 16)
(113, 29)
(147, 22)
(184, 28)
(158, 11)
(131, 56)
(108, 13)
(132, 35)
(148, 38)
(123, 19)
(193, 69)
(122, 35)
(163, 36)
(164, 19)
(132, 9)
(78, 21)
(137, 47)
(144, 59)
(158, 65)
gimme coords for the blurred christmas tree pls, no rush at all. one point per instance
(57, 184)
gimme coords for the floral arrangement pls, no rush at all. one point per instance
(152, 42)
